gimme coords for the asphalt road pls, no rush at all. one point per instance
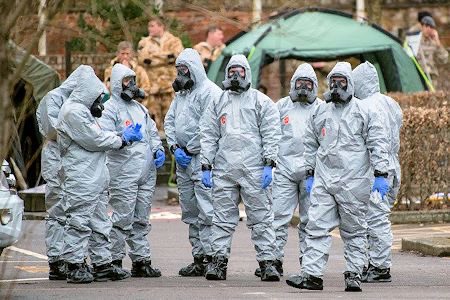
(23, 269)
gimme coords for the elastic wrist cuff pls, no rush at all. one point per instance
(186, 151)
(173, 148)
(380, 174)
(206, 167)
(269, 163)
(123, 144)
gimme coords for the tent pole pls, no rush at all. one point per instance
(360, 10)
(256, 13)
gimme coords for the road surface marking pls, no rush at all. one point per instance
(27, 252)
(23, 279)
(33, 269)
(164, 216)
(254, 293)
(22, 261)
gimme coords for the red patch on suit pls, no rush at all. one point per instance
(127, 123)
(223, 120)
(286, 120)
(324, 131)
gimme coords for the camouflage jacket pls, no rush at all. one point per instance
(208, 53)
(141, 76)
(157, 56)
(430, 55)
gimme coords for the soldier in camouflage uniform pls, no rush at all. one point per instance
(125, 56)
(211, 49)
(157, 54)
(431, 52)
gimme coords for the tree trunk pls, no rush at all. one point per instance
(5, 100)
(374, 12)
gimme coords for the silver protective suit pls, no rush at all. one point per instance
(238, 131)
(132, 171)
(379, 232)
(83, 144)
(289, 186)
(47, 117)
(182, 127)
(344, 143)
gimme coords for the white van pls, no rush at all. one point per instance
(11, 208)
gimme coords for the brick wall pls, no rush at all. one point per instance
(99, 62)
(232, 16)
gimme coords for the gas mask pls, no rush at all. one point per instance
(131, 91)
(303, 92)
(236, 81)
(337, 93)
(183, 80)
(97, 107)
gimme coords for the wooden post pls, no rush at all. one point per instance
(68, 59)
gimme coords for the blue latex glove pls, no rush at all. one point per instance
(309, 184)
(206, 178)
(381, 185)
(160, 158)
(137, 132)
(182, 158)
(132, 133)
(266, 177)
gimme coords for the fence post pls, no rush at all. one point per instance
(68, 59)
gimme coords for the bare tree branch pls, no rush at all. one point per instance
(12, 16)
(9, 127)
(123, 23)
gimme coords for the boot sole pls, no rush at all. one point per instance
(353, 290)
(213, 277)
(56, 278)
(271, 278)
(290, 283)
(78, 282)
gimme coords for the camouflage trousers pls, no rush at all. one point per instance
(158, 105)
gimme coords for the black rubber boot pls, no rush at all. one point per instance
(206, 262)
(352, 282)
(144, 268)
(117, 263)
(268, 271)
(57, 270)
(305, 281)
(197, 268)
(217, 269)
(258, 272)
(109, 271)
(89, 267)
(364, 273)
(279, 266)
(374, 274)
(78, 273)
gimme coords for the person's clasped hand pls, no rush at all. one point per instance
(266, 177)
(206, 178)
(132, 133)
(309, 184)
(160, 158)
(182, 158)
(380, 185)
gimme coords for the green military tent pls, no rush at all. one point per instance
(317, 34)
(35, 80)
